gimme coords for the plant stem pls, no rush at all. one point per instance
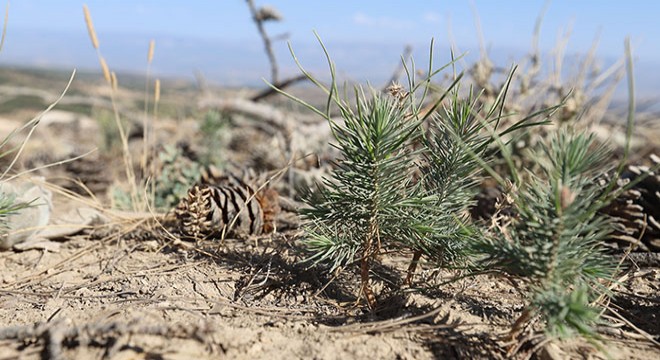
(558, 230)
(365, 263)
(519, 324)
(412, 267)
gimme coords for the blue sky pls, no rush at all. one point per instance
(504, 22)
(384, 24)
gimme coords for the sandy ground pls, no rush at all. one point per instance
(121, 298)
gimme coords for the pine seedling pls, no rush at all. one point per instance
(555, 239)
(9, 206)
(449, 172)
(379, 199)
(459, 141)
(370, 203)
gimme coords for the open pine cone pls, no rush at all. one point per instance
(224, 205)
(637, 209)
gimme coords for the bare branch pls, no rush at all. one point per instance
(281, 86)
(259, 19)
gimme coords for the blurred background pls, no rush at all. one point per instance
(219, 41)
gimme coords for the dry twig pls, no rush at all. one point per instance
(259, 19)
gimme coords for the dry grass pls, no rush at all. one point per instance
(135, 183)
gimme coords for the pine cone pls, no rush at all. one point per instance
(195, 213)
(226, 205)
(268, 198)
(637, 209)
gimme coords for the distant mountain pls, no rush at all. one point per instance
(237, 63)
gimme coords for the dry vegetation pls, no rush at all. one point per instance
(141, 249)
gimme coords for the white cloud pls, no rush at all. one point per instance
(431, 17)
(362, 19)
(383, 22)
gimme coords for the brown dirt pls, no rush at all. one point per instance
(253, 299)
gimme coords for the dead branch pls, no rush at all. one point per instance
(259, 17)
(263, 112)
(280, 85)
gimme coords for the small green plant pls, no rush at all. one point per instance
(554, 234)
(459, 140)
(177, 174)
(370, 205)
(555, 239)
(9, 206)
(215, 136)
(397, 186)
